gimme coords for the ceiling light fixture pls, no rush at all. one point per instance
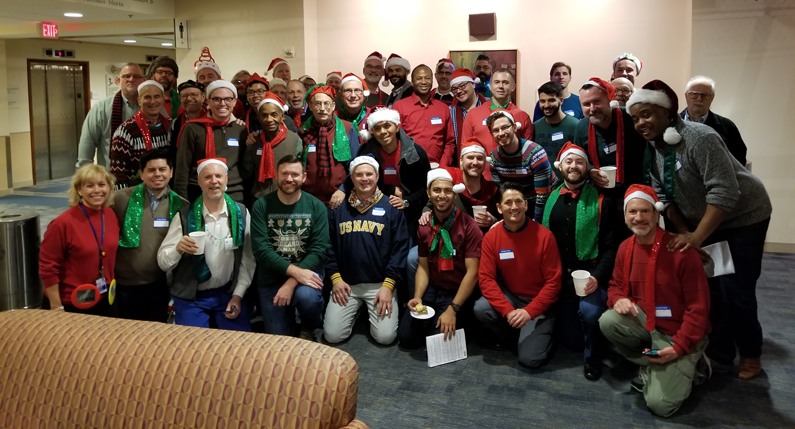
(73, 15)
(167, 44)
(129, 41)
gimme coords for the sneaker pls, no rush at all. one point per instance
(638, 382)
(703, 370)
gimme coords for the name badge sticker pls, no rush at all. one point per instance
(232, 142)
(390, 171)
(663, 311)
(506, 254)
(378, 211)
(484, 122)
(678, 165)
(569, 112)
(259, 151)
(161, 222)
(557, 136)
(436, 120)
(311, 148)
(609, 148)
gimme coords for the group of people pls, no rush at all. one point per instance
(333, 196)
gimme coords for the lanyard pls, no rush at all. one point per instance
(99, 242)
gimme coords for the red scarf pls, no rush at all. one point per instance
(593, 150)
(651, 271)
(183, 120)
(144, 127)
(209, 138)
(267, 169)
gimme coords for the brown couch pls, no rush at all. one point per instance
(75, 371)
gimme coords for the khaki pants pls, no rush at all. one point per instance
(339, 320)
(668, 385)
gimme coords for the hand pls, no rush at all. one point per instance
(383, 300)
(284, 295)
(591, 286)
(396, 202)
(625, 306)
(187, 245)
(413, 303)
(309, 278)
(233, 308)
(684, 241)
(252, 138)
(518, 318)
(336, 199)
(399, 192)
(485, 220)
(663, 355)
(446, 323)
(240, 122)
(425, 218)
(340, 293)
(598, 178)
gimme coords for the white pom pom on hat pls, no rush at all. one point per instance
(614, 104)
(459, 188)
(671, 136)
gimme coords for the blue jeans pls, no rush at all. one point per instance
(412, 262)
(210, 303)
(578, 321)
(733, 306)
(412, 331)
(281, 320)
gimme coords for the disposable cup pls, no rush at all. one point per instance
(478, 209)
(199, 237)
(580, 280)
(610, 172)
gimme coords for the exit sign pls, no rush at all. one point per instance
(49, 30)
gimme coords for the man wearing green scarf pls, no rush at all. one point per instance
(584, 224)
(145, 212)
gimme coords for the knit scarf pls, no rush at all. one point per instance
(267, 169)
(200, 267)
(586, 236)
(669, 169)
(316, 134)
(116, 113)
(362, 206)
(593, 150)
(209, 136)
(175, 103)
(651, 271)
(441, 237)
(497, 106)
(140, 120)
(130, 234)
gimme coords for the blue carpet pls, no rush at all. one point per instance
(25, 200)
(47, 190)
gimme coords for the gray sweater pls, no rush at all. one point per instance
(710, 175)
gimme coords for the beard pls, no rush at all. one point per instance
(554, 112)
(484, 78)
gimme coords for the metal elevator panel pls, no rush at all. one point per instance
(41, 134)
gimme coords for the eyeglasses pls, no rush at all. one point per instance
(350, 91)
(693, 95)
(219, 100)
(459, 88)
(324, 104)
(132, 77)
(190, 94)
(239, 82)
(503, 129)
(369, 67)
(623, 91)
(257, 92)
(164, 73)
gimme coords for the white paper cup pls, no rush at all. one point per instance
(610, 172)
(478, 209)
(434, 165)
(199, 237)
(580, 280)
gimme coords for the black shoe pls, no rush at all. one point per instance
(592, 372)
(638, 382)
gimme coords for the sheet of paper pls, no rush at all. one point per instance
(441, 352)
(722, 262)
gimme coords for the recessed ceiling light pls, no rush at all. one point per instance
(167, 44)
(129, 41)
(73, 15)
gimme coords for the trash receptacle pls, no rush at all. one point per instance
(20, 286)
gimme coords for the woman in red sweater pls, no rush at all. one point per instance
(78, 252)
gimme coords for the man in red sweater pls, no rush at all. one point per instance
(648, 279)
(524, 256)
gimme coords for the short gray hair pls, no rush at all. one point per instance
(704, 80)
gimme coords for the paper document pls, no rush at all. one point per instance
(722, 262)
(441, 352)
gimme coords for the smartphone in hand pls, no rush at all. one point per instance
(652, 353)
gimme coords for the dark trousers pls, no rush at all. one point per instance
(412, 331)
(147, 302)
(733, 306)
(578, 321)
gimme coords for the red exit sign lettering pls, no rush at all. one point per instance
(49, 30)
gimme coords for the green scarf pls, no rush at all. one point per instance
(130, 234)
(586, 229)
(669, 169)
(341, 147)
(200, 267)
(497, 106)
(441, 237)
(175, 103)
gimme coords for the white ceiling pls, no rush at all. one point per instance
(149, 24)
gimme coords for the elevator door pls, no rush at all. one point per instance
(58, 110)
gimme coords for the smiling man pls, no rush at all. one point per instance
(397, 72)
(279, 68)
(373, 71)
(354, 93)
(483, 68)
(298, 111)
(191, 97)
(556, 127)
(443, 75)
(208, 72)
(255, 89)
(516, 294)
(624, 89)
(166, 72)
(146, 130)
(627, 66)
(560, 73)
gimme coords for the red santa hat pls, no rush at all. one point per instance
(206, 61)
(379, 114)
(271, 98)
(350, 77)
(275, 62)
(150, 82)
(359, 160)
(207, 161)
(606, 87)
(255, 78)
(336, 74)
(628, 56)
(464, 75)
(508, 114)
(395, 60)
(445, 174)
(445, 62)
(569, 149)
(375, 56)
(660, 94)
(218, 84)
(472, 144)
(645, 193)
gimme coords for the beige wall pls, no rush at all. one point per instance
(749, 49)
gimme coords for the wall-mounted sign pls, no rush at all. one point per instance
(49, 31)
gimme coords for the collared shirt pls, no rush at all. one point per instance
(95, 136)
(155, 201)
(700, 120)
(430, 126)
(219, 259)
(397, 93)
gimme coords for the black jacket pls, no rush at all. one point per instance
(728, 133)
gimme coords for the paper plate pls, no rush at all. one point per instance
(430, 314)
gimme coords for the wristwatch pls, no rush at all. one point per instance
(455, 307)
(405, 204)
